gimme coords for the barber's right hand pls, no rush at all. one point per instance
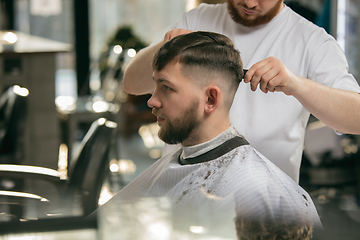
(175, 32)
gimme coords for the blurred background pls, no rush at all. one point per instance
(71, 138)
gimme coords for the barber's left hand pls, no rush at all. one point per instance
(271, 75)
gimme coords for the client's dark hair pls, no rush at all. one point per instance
(213, 52)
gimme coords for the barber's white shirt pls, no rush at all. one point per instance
(274, 123)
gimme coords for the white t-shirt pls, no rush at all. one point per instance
(274, 123)
(240, 183)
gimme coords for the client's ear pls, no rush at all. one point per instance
(213, 94)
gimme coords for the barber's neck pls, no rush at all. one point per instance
(207, 130)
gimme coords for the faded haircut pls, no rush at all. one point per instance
(214, 53)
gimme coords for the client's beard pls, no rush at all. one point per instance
(179, 129)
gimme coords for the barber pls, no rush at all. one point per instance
(295, 68)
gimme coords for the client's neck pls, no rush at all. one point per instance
(206, 131)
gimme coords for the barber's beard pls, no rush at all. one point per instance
(179, 129)
(233, 11)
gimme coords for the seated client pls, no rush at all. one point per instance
(216, 182)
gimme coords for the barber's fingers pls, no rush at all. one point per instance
(175, 32)
(254, 68)
(269, 80)
(266, 74)
(255, 74)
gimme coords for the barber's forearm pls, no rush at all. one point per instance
(338, 109)
(138, 75)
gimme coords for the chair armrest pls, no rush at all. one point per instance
(21, 196)
(25, 171)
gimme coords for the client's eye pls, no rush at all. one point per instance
(167, 88)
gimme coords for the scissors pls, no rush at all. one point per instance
(245, 71)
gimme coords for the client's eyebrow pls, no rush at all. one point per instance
(160, 80)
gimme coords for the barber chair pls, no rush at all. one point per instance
(12, 125)
(78, 185)
(12, 131)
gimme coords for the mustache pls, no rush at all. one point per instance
(156, 112)
(245, 6)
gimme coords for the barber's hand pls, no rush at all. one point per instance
(175, 32)
(271, 75)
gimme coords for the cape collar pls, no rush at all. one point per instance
(210, 150)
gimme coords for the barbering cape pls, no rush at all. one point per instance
(202, 200)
